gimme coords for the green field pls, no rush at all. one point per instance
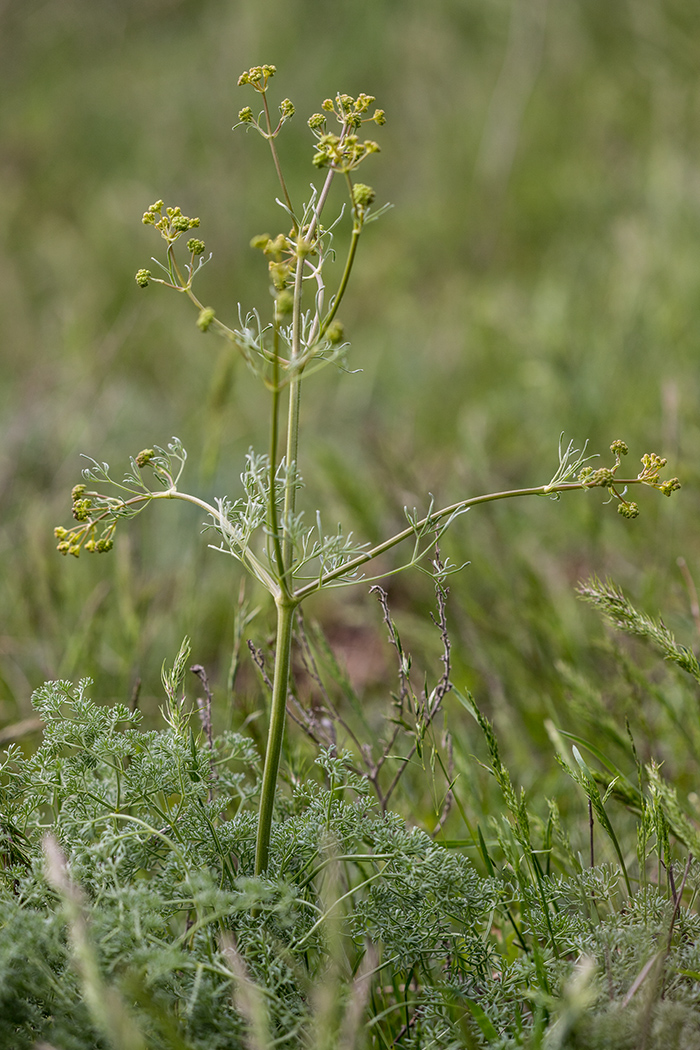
(537, 275)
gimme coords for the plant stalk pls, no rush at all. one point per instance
(274, 437)
(431, 520)
(280, 687)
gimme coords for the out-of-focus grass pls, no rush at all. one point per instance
(538, 274)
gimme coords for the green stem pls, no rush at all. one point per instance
(246, 556)
(344, 280)
(280, 686)
(295, 383)
(271, 139)
(432, 519)
(356, 231)
(272, 486)
(291, 459)
(293, 417)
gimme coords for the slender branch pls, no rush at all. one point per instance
(321, 202)
(436, 516)
(247, 557)
(274, 438)
(356, 231)
(271, 139)
(293, 420)
(344, 279)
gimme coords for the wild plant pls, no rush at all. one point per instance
(286, 550)
(174, 944)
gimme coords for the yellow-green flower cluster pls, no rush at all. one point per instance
(284, 303)
(84, 535)
(170, 222)
(144, 457)
(345, 151)
(342, 154)
(257, 76)
(652, 464)
(281, 251)
(362, 195)
(627, 510)
(335, 333)
(667, 487)
(604, 477)
(348, 111)
(362, 198)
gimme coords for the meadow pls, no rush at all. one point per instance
(535, 277)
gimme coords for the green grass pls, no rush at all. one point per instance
(557, 293)
(538, 274)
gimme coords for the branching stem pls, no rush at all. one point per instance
(271, 139)
(433, 519)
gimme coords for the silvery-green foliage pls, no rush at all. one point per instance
(159, 838)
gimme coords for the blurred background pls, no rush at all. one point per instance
(538, 274)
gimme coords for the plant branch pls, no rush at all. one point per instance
(434, 518)
(271, 139)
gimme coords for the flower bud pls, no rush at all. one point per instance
(602, 477)
(81, 509)
(335, 333)
(672, 485)
(206, 316)
(284, 303)
(279, 272)
(628, 510)
(362, 195)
